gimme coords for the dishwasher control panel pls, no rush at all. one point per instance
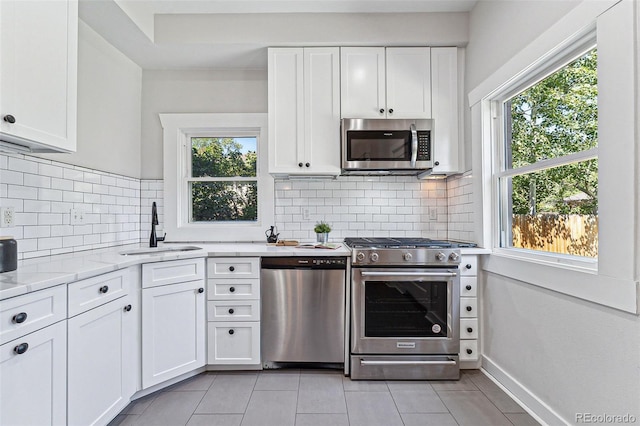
(305, 262)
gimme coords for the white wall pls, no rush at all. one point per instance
(560, 354)
(194, 91)
(109, 98)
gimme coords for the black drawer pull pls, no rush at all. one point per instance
(469, 308)
(232, 289)
(19, 318)
(469, 330)
(231, 311)
(231, 331)
(9, 118)
(231, 268)
(469, 351)
(201, 290)
(21, 348)
(468, 287)
(104, 289)
(127, 308)
(468, 266)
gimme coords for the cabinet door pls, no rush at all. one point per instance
(38, 75)
(362, 77)
(444, 102)
(173, 331)
(322, 110)
(33, 384)
(408, 82)
(286, 110)
(99, 369)
(234, 343)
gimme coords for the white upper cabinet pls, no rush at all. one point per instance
(304, 111)
(38, 74)
(446, 110)
(378, 82)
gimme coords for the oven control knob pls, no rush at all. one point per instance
(454, 257)
(374, 257)
(360, 257)
(440, 257)
(407, 256)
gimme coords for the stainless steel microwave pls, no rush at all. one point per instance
(386, 146)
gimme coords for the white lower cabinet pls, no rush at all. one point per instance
(33, 378)
(173, 327)
(469, 324)
(234, 343)
(101, 374)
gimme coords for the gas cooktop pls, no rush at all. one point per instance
(404, 243)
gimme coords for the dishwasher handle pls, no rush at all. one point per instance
(304, 262)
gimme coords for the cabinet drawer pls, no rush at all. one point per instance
(469, 350)
(468, 286)
(232, 310)
(469, 265)
(468, 307)
(233, 289)
(234, 267)
(171, 272)
(30, 312)
(234, 343)
(92, 292)
(468, 328)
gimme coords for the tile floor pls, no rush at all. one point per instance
(324, 398)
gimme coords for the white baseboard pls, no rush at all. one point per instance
(536, 407)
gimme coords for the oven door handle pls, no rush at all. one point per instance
(414, 145)
(408, 274)
(364, 362)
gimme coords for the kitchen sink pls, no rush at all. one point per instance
(159, 250)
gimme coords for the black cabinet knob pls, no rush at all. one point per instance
(468, 287)
(381, 110)
(469, 330)
(232, 268)
(307, 164)
(201, 290)
(9, 118)
(468, 266)
(231, 311)
(437, 163)
(127, 308)
(300, 164)
(19, 318)
(232, 289)
(21, 348)
(469, 351)
(469, 308)
(104, 289)
(231, 331)
(390, 110)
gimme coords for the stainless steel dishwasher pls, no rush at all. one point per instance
(303, 310)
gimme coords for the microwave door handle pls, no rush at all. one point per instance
(414, 145)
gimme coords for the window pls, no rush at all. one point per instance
(223, 178)
(548, 178)
(216, 184)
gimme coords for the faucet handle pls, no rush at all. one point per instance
(162, 238)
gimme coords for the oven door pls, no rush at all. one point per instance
(405, 311)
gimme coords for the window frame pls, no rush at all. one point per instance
(501, 170)
(177, 131)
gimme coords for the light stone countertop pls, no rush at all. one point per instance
(49, 271)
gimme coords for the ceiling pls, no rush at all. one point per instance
(231, 34)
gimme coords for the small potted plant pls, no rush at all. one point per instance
(322, 230)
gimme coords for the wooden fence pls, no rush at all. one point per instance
(570, 234)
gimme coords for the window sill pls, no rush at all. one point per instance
(577, 281)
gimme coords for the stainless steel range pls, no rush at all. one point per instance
(405, 308)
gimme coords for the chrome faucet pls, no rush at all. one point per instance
(153, 241)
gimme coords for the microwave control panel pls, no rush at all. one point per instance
(424, 145)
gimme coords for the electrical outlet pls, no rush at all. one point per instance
(305, 213)
(77, 217)
(433, 213)
(7, 216)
